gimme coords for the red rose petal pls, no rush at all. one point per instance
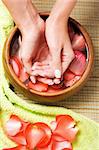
(16, 65)
(48, 134)
(53, 125)
(24, 126)
(68, 75)
(16, 148)
(72, 81)
(61, 145)
(48, 147)
(34, 135)
(78, 42)
(40, 136)
(68, 119)
(41, 87)
(55, 145)
(58, 138)
(13, 126)
(78, 64)
(57, 86)
(65, 127)
(19, 138)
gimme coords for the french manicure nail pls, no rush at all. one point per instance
(57, 73)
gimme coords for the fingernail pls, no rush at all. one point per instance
(57, 73)
(51, 83)
(33, 67)
(57, 81)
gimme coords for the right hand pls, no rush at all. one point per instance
(31, 39)
(60, 50)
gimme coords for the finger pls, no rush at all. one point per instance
(33, 79)
(39, 73)
(26, 60)
(40, 67)
(67, 57)
(27, 52)
(43, 73)
(37, 64)
(27, 66)
(40, 64)
(57, 81)
(45, 80)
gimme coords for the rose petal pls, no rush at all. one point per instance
(78, 64)
(78, 42)
(48, 147)
(65, 127)
(41, 87)
(61, 145)
(16, 65)
(40, 132)
(16, 148)
(68, 75)
(48, 134)
(72, 81)
(53, 125)
(34, 136)
(19, 138)
(57, 86)
(58, 138)
(13, 125)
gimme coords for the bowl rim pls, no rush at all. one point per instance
(64, 91)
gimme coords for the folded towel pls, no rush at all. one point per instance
(11, 103)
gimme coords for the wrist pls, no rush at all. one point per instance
(58, 16)
(57, 19)
(62, 9)
(31, 26)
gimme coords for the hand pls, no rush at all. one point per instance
(31, 26)
(41, 63)
(59, 45)
(31, 41)
(60, 50)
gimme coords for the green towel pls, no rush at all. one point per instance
(10, 103)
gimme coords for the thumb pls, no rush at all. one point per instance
(25, 56)
(56, 64)
(27, 62)
(67, 57)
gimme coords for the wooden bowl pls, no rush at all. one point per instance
(45, 97)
